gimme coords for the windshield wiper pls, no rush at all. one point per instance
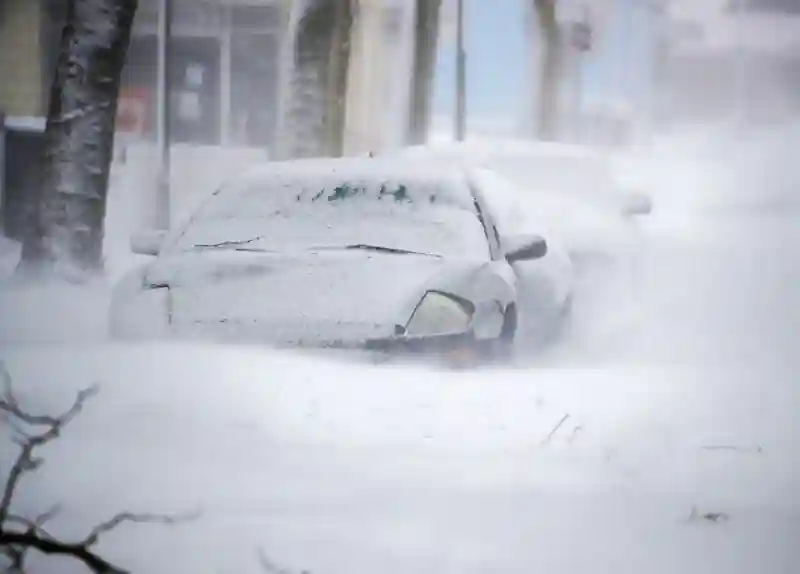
(228, 243)
(384, 249)
(239, 245)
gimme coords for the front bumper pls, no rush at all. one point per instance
(380, 348)
(434, 344)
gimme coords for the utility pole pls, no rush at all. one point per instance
(658, 46)
(426, 32)
(576, 104)
(162, 199)
(580, 41)
(740, 73)
(460, 127)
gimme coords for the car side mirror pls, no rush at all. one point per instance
(148, 242)
(637, 203)
(525, 248)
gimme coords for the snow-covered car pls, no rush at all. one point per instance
(360, 253)
(570, 188)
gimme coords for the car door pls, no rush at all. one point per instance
(493, 288)
(542, 285)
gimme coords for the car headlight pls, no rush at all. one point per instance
(439, 314)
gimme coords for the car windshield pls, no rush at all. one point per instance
(289, 214)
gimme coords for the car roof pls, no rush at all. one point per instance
(380, 168)
(449, 179)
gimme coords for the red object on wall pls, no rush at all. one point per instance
(133, 110)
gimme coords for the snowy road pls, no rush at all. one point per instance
(678, 377)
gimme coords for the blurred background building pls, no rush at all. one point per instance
(320, 77)
(224, 71)
(743, 62)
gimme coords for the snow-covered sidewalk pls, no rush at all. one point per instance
(342, 468)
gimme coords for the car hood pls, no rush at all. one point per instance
(309, 297)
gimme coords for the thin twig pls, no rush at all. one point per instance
(123, 517)
(25, 461)
(730, 447)
(31, 534)
(713, 517)
(36, 524)
(552, 433)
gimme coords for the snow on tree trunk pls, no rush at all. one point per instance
(317, 83)
(66, 231)
(549, 79)
(426, 34)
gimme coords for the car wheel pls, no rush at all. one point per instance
(487, 351)
(502, 348)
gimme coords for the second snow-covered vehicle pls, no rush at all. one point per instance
(358, 253)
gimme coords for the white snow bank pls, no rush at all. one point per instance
(341, 468)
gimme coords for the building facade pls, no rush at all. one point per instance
(345, 77)
(321, 77)
(29, 36)
(745, 64)
(224, 70)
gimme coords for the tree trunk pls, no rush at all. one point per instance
(65, 235)
(426, 36)
(338, 68)
(315, 107)
(549, 80)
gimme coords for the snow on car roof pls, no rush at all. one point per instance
(420, 179)
(374, 168)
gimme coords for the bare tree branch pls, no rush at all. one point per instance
(36, 524)
(25, 461)
(16, 553)
(78, 551)
(757, 449)
(34, 536)
(30, 533)
(123, 517)
(552, 433)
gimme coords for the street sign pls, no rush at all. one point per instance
(133, 111)
(581, 36)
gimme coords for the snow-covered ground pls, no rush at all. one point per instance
(675, 388)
